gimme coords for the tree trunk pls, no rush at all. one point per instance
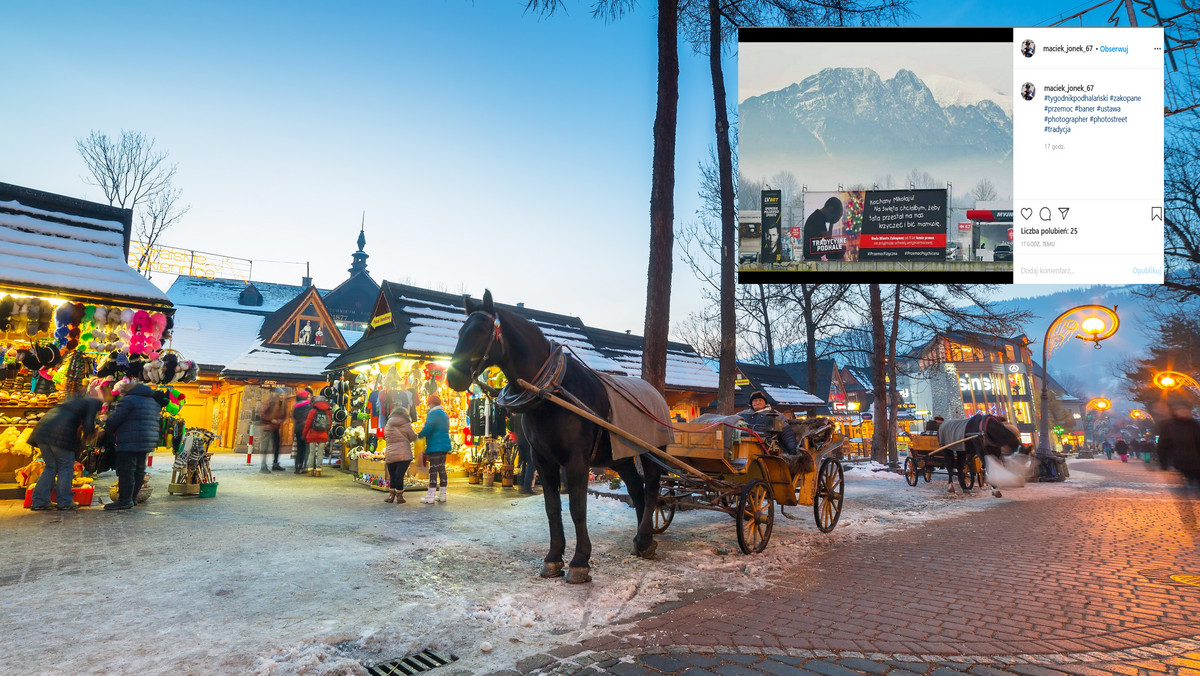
(810, 335)
(764, 307)
(893, 387)
(879, 439)
(662, 200)
(725, 372)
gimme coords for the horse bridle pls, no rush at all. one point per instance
(494, 337)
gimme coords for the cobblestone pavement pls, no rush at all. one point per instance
(1076, 581)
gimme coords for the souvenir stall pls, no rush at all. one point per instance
(372, 391)
(191, 474)
(71, 310)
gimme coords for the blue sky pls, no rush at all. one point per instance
(488, 148)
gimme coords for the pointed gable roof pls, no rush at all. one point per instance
(307, 303)
(774, 382)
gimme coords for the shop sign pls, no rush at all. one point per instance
(382, 319)
(866, 416)
(205, 389)
(962, 227)
(839, 407)
(907, 406)
(975, 383)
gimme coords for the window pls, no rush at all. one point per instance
(1016, 385)
(1021, 413)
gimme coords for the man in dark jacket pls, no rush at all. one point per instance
(299, 414)
(768, 422)
(1179, 443)
(57, 436)
(134, 424)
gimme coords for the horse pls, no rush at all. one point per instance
(558, 438)
(995, 437)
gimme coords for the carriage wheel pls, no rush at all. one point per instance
(663, 511)
(966, 478)
(755, 517)
(831, 488)
(910, 472)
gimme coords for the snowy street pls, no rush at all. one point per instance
(287, 574)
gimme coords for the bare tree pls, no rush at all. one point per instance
(160, 212)
(128, 170)
(983, 190)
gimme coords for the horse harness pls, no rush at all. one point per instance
(548, 380)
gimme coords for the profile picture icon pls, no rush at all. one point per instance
(1028, 91)
(1028, 48)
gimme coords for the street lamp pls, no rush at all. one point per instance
(1097, 323)
(1099, 404)
(1173, 380)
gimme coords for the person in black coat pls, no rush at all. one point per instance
(58, 437)
(134, 425)
(1179, 443)
(764, 420)
(300, 414)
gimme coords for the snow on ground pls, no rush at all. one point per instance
(284, 574)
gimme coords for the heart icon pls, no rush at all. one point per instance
(1026, 213)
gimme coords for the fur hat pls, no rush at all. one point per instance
(758, 394)
(434, 400)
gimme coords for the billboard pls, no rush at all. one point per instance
(875, 225)
(772, 234)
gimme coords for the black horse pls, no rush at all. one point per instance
(559, 439)
(995, 437)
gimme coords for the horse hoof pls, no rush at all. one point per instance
(552, 569)
(951, 490)
(579, 574)
(648, 552)
(996, 494)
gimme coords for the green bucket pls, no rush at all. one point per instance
(208, 490)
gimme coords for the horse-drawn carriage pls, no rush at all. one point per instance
(574, 417)
(926, 455)
(721, 466)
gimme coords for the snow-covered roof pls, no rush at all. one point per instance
(266, 361)
(67, 253)
(223, 294)
(213, 338)
(791, 396)
(686, 369)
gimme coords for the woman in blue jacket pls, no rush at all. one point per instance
(134, 424)
(436, 433)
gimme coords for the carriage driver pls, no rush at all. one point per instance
(768, 422)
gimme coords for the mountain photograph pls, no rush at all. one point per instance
(866, 124)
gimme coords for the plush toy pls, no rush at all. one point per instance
(127, 316)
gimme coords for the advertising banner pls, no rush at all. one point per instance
(831, 224)
(772, 235)
(903, 225)
(864, 225)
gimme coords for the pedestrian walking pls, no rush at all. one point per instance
(270, 416)
(1179, 443)
(399, 435)
(1108, 449)
(58, 437)
(436, 433)
(316, 433)
(1122, 450)
(299, 416)
(134, 424)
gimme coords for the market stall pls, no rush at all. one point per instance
(70, 308)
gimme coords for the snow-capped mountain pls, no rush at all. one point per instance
(852, 112)
(949, 91)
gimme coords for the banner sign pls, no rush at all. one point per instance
(186, 262)
(903, 225)
(772, 244)
(964, 227)
(873, 225)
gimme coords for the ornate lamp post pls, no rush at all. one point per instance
(1100, 404)
(1092, 323)
(1173, 380)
